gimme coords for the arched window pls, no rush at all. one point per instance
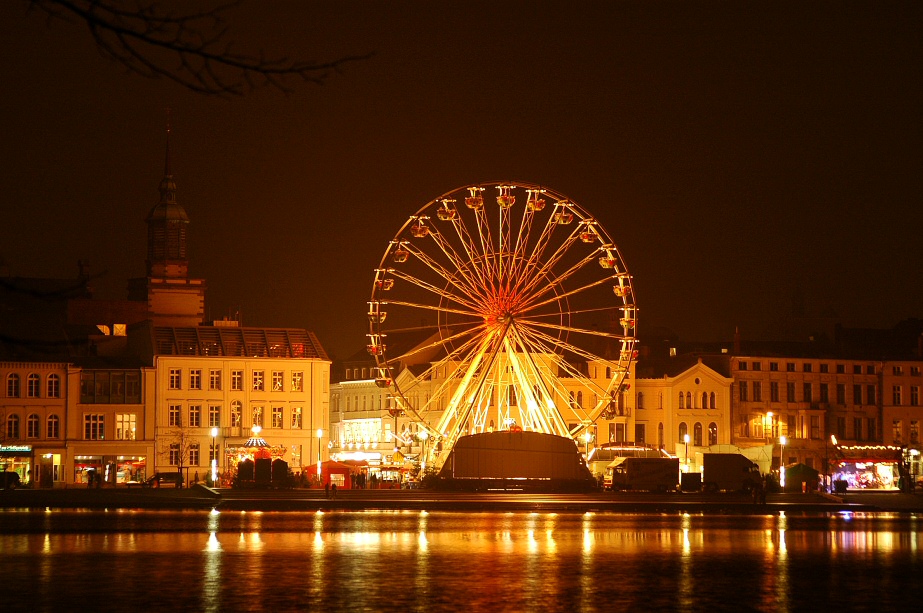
(712, 433)
(12, 385)
(660, 435)
(704, 400)
(682, 400)
(697, 434)
(33, 385)
(689, 400)
(32, 426)
(640, 401)
(712, 402)
(683, 431)
(54, 386)
(12, 426)
(53, 429)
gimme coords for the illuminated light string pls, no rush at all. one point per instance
(508, 297)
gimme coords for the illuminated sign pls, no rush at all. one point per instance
(19, 448)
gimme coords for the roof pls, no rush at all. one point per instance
(242, 342)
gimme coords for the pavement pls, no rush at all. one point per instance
(201, 497)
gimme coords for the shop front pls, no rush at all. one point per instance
(17, 459)
(868, 468)
(109, 470)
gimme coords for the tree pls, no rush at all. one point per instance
(189, 48)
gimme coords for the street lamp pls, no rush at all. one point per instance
(320, 434)
(214, 455)
(769, 425)
(686, 440)
(782, 441)
(423, 436)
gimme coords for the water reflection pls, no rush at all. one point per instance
(402, 560)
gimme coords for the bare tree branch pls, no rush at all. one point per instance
(188, 48)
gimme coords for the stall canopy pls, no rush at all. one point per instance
(334, 472)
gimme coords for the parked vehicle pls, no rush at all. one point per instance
(165, 480)
(730, 472)
(643, 474)
(9, 480)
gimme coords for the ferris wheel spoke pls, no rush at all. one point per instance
(435, 266)
(558, 280)
(424, 348)
(473, 280)
(529, 306)
(458, 298)
(543, 271)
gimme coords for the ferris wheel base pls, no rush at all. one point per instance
(515, 461)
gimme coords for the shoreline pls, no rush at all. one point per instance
(200, 497)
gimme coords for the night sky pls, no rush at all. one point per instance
(737, 152)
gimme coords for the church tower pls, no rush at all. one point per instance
(173, 299)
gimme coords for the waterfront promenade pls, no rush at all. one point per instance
(200, 497)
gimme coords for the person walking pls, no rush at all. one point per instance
(327, 488)
(333, 490)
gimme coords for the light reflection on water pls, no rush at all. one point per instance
(416, 561)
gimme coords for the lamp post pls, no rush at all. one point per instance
(686, 441)
(423, 436)
(833, 442)
(320, 434)
(214, 455)
(769, 425)
(782, 441)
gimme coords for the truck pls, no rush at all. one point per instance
(731, 472)
(642, 474)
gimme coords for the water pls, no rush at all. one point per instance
(417, 561)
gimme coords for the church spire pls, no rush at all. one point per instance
(166, 226)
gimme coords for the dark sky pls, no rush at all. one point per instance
(736, 152)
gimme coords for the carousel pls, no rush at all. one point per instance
(255, 448)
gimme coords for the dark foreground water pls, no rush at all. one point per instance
(413, 561)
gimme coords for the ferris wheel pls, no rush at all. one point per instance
(501, 306)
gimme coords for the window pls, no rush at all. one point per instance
(914, 371)
(870, 369)
(683, 431)
(236, 412)
(195, 379)
(298, 381)
(94, 426)
(897, 431)
(789, 367)
(897, 370)
(697, 434)
(872, 430)
(704, 400)
(742, 366)
(857, 369)
(807, 367)
(712, 434)
(195, 415)
(914, 395)
(757, 366)
(133, 387)
(257, 415)
(791, 427)
(815, 426)
(807, 393)
(857, 428)
(258, 384)
(773, 366)
(53, 427)
(277, 376)
(824, 392)
(896, 395)
(743, 391)
(682, 400)
(712, 402)
(237, 380)
(914, 431)
(296, 455)
(824, 368)
(176, 379)
(174, 418)
(174, 454)
(33, 385)
(277, 417)
(790, 391)
(32, 426)
(639, 401)
(214, 379)
(757, 391)
(12, 385)
(841, 369)
(774, 391)
(53, 384)
(213, 452)
(194, 454)
(12, 426)
(639, 433)
(841, 393)
(296, 418)
(125, 426)
(214, 415)
(857, 394)
(871, 397)
(841, 427)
